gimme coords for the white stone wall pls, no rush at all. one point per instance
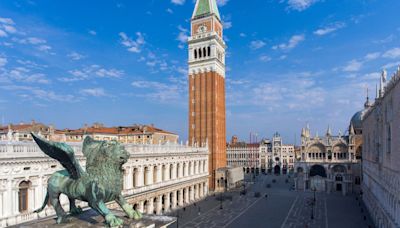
(153, 171)
(381, 157)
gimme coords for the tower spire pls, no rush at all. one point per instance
(204, 8)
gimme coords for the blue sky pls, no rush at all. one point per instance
(121, 62)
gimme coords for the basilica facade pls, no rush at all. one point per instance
(331, 163)
(157, 178)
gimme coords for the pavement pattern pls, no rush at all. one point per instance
(283, 207)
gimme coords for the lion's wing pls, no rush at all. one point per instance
(62, 153)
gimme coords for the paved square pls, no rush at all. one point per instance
(282, 208)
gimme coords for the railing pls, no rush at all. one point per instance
(30, 149)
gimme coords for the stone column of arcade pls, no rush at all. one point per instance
(180, 197)
(150, 206)
(158, 205)
(174, 200)
(140, 207)
(167, 202)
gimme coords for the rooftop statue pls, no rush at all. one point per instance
(99, 184)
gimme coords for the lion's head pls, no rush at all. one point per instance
(99, 153)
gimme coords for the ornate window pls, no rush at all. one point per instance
(23, 196)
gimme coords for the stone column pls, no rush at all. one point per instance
(140, 176)
(186, 197)
(191, 192)
(192, 169)
(173, 199)
(15, 199)
(158, 174)
(173, 176)
(140, 207)
(186, 169)
(196, 165)
(149, 176)
(180, 197)
(180, 170)
(8, 200)
(201, 190)
(159, 205)
(167, 172)
(150, 207)
(129, 178)
(167, 202)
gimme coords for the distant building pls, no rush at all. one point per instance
(245, 155)
(279, 158)
(381, 154)
(21, 131)
(136, 134)
(330, 163)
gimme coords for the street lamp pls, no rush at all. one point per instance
(313, 204)
(222, 182)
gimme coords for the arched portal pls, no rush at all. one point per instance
(317, 170)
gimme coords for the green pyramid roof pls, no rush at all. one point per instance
(204, 7)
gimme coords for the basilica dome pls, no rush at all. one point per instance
(356, 120)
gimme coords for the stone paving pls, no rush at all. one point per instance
(282, 208)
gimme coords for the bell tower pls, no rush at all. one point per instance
(207, 122)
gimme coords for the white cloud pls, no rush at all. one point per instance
(10, 29)
(222, 2)
(257, 44)
(75, 56)
(95, 92)
(265, 58)
(392, 53)
(7, 21)
(44, 48)
(178, 2)
(170, 11)
(242, 34)
(132, 45)
(183, 36)
(2, 33)
(372, 56)
(353, 66)
(293, 42)
(3, 61)
(90, 71)
(92, 32)
(329, 29)
(157, 91)
(31, 40)
(300, 5)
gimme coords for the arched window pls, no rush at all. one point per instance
(209, 51)
(195, 54)
(23, 196)
(204, 51)
(200, 53)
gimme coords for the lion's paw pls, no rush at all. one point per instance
(76, 211)
(113, 221)
(63, 219)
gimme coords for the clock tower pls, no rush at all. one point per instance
(207, 122)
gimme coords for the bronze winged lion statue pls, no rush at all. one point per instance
(99, 184)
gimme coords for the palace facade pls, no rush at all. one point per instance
(381, 154)
(157, 178)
